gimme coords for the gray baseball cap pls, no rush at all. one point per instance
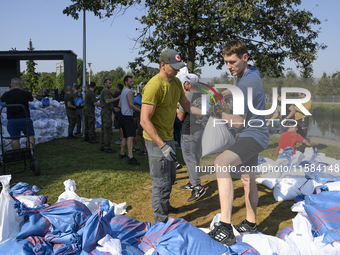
(172, 58)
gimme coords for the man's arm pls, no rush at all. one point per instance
(180, 115)
(276, 113)
(190, 109)
(306, 143)
(145, 120)
(111, 100)
(70, 105)
(130, 102)
(291, 114)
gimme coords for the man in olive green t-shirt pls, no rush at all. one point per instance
(89, 116)
(106, 101)
(70, 112)
(159, 104)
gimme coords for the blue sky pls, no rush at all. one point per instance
(108, 41)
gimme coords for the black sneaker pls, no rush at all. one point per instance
(71, 137)
(143, 153)
(136, 149)
(187, 186)
(132, 161)
(196, 193)
(93, 141)
(109, 151)
(178, 165)
(222, 234)
(121, 156)
(244, 227)
(175, 210)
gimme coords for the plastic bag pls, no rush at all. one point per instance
(216, 137)
(9, 221)
(78, 100)
(45, 102)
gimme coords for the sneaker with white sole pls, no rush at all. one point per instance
(197, 193)
(187, 186)
(244, 227)
(222, 234)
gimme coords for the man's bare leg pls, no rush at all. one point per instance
(15, 144)
(251, 195)
(225, 182)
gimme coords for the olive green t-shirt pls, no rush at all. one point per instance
(90, 98)
(69, 98)
(105, 94)
(165, 96)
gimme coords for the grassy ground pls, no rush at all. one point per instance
(103, 175)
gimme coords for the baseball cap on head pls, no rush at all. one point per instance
(172, 58)
(191, 78)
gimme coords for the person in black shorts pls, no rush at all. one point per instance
(16, 116)
(117, 112)
(252, 139)
(128, 125)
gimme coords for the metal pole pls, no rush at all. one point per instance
(84, 64)
(84, 53)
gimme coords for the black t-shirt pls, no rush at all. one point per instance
(116, 94)
(17, 96)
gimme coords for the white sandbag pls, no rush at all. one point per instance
(265, 244)
(92, 204)
(267, 181)
(216, 138)
(333, 186)
(9, 221)
(110, 245)
(288, 187)
(298, 207)
(39, 124)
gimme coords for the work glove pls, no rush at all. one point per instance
(168, 152)
(216, 110)
(79, 107)
(211, 101)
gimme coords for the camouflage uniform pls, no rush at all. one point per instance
(89, 116)
(106, 118)
(71, 114)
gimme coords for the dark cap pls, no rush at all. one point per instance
(172, 58)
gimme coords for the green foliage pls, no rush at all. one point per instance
(79, 71)
(60, 82)
(223, 79)
(31, 77)
(328, 85)
(100, 8)
(45, 81)
(273, 31)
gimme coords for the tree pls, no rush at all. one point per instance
(79, 71)
(60, 81)
(45, 81)
(324, 86)
(273, 30)
(31, 77)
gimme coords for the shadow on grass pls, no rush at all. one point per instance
(272, 213)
